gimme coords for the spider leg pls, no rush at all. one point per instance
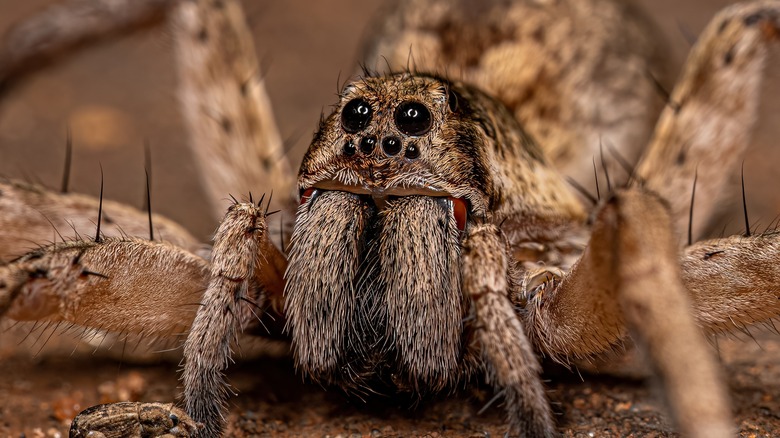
(510, 359)
(232, 130)
(243, 258)
(733, 281)
(629, 279)
(707, 123)
(89, 283)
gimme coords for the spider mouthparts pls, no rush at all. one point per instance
(456, 205)
(308, 194)
(380, 201)
(459, 210)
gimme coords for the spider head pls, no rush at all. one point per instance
(402, 135)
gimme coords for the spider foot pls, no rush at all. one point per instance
(539, 280)
(133, 419)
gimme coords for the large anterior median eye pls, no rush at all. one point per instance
(356, 115)
(413, 118)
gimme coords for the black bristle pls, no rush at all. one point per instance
(744, 203)
(596, 176)
(690, 212)
(98, 239)
(149, 205)
(270, 197)
(68, 157)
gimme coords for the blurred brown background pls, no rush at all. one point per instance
(118, 94)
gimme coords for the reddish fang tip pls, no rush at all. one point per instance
(460, 212)
(306, 195)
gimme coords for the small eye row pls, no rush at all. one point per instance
(391, 146)
(411, 117)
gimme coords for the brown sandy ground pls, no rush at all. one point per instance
(40, 395)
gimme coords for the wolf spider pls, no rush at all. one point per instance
(435, 238)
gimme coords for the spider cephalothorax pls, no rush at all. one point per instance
(407, 134)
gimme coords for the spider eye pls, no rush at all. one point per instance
(174, 419)
(413, 118)
(356, 115)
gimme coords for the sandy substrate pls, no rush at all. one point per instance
(40, 395)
